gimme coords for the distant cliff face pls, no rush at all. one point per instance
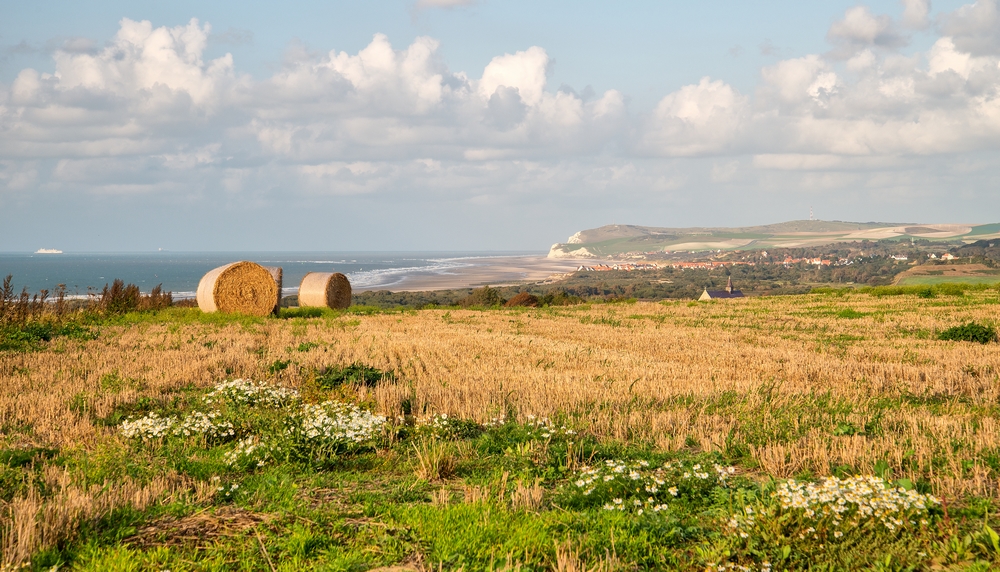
(560, 250)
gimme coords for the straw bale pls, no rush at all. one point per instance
(325, 290)
(241, 287)
(278, 276)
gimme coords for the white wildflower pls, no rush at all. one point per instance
(147, 428)
(204, 425)
(251, 393)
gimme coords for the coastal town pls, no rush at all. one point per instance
(759, 259)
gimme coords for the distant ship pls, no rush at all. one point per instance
(48, 251)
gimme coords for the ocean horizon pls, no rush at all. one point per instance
(84, 273)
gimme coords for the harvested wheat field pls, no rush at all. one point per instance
(788, 388)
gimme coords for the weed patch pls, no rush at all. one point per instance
(850, 314)
(331, 377)
(32, 336)
(970, 332)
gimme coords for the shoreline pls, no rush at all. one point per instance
(476, 272)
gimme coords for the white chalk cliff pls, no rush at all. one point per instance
(558, 250)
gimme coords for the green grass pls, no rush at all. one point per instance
(33, 336)
(937, 280)
(935, 286)
(985, 229)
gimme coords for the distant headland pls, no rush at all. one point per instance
(622, 239)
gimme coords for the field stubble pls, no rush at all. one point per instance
(794, 385)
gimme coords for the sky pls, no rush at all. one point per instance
(485, 125)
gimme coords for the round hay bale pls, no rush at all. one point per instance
(325, 290)
(241, 287)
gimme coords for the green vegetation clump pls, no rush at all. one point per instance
(31, 336)
(486, 297)
(287, 313)
(970, 332)
(922, 290)
(918, 291)
(850, 314)
(359, 373)
(560, 298)
(27, 322)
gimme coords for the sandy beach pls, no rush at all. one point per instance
(474, 272)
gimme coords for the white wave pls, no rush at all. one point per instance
(386, 277)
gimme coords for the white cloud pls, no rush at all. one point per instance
(975, 28)
(26, 88)
(944, 57)
(861, 28)
(861, 61)
(800, 80)
(696, 119)
(915, 14)
(160, 62)
(149, 113)
(151, 93)
(526, 71)
(378, 69)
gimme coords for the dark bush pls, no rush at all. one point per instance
(560, 299)
(157, 299)
(23, 308)
(122, 299)
(119, 298)
(484, 296)
(523, 299)
(971, 332)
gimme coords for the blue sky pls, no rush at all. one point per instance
(450, 124)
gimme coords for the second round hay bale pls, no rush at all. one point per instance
(242, 287)
(325, 290)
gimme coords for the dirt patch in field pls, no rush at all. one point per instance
(198, 530)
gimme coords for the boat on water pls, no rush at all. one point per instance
(48, 251)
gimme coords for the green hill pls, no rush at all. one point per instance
(618, 239)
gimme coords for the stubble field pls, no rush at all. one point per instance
(778, 388)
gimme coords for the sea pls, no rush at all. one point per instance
(179, 272)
